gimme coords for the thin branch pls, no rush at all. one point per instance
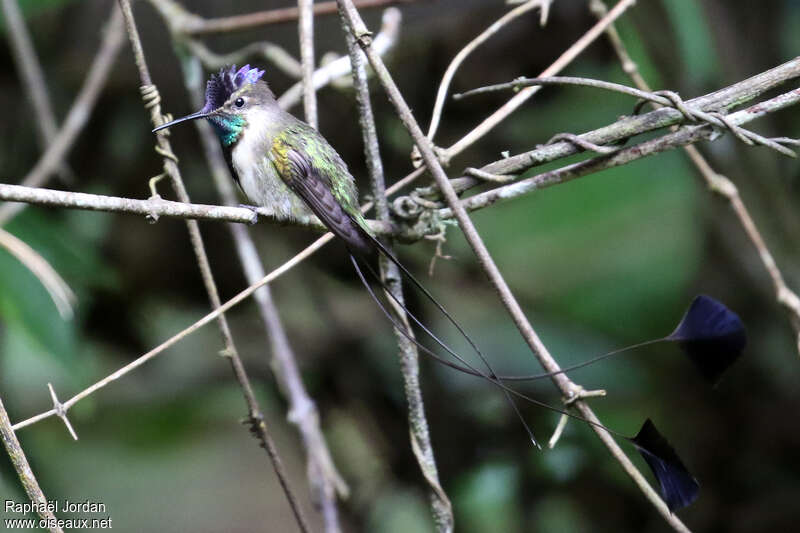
(271, 52)
(56, 287)
(78, 115)
(154, 208)
(385, 40)
(197, 25)
(33, 79)
(717, 183)
(26, 476)
(444, 85)
(520, 98)
(210, 317)
(257, 423)
(409, 357)
(566, 386)
(306, 33)
(324, 478)
(679, 138)
(504, 169)
(660, 98)
(718, 101)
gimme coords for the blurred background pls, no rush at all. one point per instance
(598, 263)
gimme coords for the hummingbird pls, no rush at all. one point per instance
(284, 164)
(279, 161)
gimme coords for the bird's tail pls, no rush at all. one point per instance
(678, 486)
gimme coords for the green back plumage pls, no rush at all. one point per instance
(322, 161)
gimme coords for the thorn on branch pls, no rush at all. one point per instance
(253, 423)
(61, 411)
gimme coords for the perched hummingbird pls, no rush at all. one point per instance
(284, 164)
(279, 161)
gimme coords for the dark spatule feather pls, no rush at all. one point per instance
(678, 487)
(711, 335)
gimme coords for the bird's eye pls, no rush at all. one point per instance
(239, 102)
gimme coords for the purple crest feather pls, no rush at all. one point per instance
(221, 86)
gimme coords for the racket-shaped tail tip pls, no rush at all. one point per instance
(711, 335)
(677, 486)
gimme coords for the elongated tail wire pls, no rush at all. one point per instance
(466, 369)
(403, 331)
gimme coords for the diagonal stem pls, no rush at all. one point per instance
(390, 273)
(23, 468)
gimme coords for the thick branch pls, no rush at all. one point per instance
(721, 100)
(679, 138)
(24, 471)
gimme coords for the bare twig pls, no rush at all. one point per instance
(153, 208)
(567, 387)
(390, 273)
(26, 476)
(661, 98)
(719, 101)
(197, 25)
(32, 77)
(210, 317)
(563, 60)
(724, 187)
(78, 115)
(682, 137)
(271, 52)
(306, 33)
(385, 40)
(444, 85)
(257, 423)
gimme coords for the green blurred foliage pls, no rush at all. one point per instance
(598, 263)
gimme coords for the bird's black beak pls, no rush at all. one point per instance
(193, 116)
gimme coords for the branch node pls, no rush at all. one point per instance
(577, 392)
(61, 411)
(790, 300)
(723, 186)
(255, 211)
(226, 352)
(440, 237)
(442, 154)
(301, 410)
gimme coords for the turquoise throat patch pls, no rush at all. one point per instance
(228, 127)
